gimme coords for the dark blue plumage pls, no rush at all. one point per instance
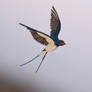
(32, 29)
(54, 35)
(52, 41)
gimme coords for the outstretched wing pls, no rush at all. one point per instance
(39, 36)
(55, 24)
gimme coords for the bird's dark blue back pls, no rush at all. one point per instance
(55, 34)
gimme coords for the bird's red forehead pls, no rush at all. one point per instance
(62, 43)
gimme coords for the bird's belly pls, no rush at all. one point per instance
(50, 48)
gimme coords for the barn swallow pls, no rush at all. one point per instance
(50, 41)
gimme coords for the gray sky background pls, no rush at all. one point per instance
(69, 68)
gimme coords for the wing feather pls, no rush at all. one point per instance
(55, 23)
(39, 36)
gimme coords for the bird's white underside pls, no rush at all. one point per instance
(51, 46)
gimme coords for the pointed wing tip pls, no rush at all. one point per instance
(53, 7)
(24, 25)
(21, 24)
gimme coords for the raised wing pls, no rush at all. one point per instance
(39, 36)
(55, 24)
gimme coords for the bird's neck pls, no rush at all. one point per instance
(58, 42)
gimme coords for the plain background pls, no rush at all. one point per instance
(69, 68)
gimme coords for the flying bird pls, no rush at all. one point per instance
(50, 41)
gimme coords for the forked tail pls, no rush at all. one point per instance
(41, 62)
(30, 60)
(42, 53)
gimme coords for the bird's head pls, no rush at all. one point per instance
(62, 43)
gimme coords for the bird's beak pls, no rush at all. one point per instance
(63, 44)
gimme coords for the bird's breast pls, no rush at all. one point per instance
(50, 47)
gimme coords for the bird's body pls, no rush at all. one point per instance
(51, 46)
(50, 41)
